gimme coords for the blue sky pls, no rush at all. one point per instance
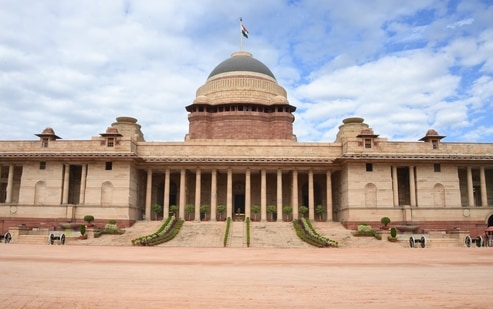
(403, 66)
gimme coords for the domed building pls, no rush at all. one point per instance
(241, 154)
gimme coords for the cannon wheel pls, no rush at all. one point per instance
(412, 241)
(468, 241)
(479, 241)
(62, 239)
(7, 238)
(51, 239)
(423, 242)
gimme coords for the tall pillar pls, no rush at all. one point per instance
(66, 178)
(311, 197)
(263, 195)
(484, 190)
(395, 186)
(470, 189)
(148, 195)
(248, 193)
(412, 186)
(294, 193)
(329, 196)
(182, 193)
(198, 192)
(213, 194)
(10, 184)
(83, 180)
(279, 194)
(166, 194)
(229, 194)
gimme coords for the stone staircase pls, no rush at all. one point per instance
(199, 235)
(275, 235)
(237, 236)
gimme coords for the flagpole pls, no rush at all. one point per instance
(241, 35)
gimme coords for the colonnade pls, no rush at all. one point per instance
(470, 187)
(198, 173)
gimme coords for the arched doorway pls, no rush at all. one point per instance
(490, 220)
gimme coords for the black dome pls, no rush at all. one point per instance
(241, 61)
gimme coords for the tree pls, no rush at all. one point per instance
(220, 210)
(271, 209)
(303, 211)
(174, 210)
(189, 210)
(320, 210)
(157, 210)
(204, 209)
(255, 210)
(287, 210)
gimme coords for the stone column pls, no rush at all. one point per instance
(329, 196)
(484, 190)
(229, 194)
(248, 193)
(470, 189)
(10, 184)
(166, 194)
(66, 178)
(412, 186)
(279, 194)
(294, 193)
(183, 179)
(83, 180)
(395, 186)
(263, 195)
(213, 194)
(198, 192)
(311, 197)
(148, 195)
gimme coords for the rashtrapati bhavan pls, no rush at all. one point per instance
(241, 152)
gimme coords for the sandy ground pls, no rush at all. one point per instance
(43, 276)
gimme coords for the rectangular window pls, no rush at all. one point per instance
(367, 143)
(42, 165)
(369, 167)
(110, 142)
(434, 144)
(437, 168)
(44, 142)
(108, 166)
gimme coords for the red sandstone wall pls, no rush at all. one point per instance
(240, 125)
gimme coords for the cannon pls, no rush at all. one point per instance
(478, 241)
(7, 237)
(413, 241)
(54, 236)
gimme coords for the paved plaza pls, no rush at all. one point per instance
(44, 276)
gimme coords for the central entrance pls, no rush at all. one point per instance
(239, 207)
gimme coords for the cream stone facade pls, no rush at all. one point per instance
(240, 151)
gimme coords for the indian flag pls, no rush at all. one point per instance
(244, 31)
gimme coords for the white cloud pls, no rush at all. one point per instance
(77, 65)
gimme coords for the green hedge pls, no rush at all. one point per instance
(307, 233)
(170, 228)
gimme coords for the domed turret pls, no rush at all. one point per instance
(241, 99)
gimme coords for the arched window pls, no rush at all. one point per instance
(39, 193)
(439, 195)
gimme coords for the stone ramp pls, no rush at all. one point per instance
(199, 235)
(275, 235)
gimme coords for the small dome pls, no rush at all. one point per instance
(241, 61)
(432, 132)
(201, 99)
